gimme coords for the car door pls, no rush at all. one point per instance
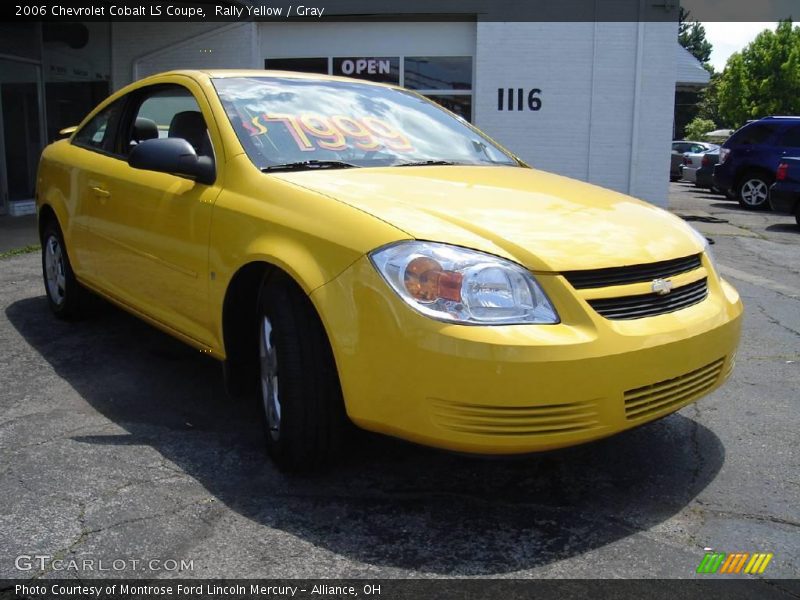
(154, 227)
(91, 160)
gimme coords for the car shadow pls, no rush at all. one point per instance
(706, 195)
(784, 227)
(732, 205)
(388, 503)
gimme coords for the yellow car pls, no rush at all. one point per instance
(353, 252)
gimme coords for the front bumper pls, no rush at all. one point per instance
(520, 388)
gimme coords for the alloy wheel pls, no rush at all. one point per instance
(269, 379)
(754, 192)
(55, 270)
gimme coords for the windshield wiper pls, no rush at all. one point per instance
(305, 165)
(426, 163)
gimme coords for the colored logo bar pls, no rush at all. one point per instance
(735, 562)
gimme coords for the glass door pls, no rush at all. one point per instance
(21, 130)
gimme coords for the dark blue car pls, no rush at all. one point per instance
(749, 158)
(784, 196)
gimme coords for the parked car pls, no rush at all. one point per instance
(383, 260)
(784, 196)
(698, 168)
(749, 158)
(679, 147)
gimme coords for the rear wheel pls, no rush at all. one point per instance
(301, 400)
(753, 191)
(64, 294)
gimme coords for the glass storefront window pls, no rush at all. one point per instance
(438, 73)
(304, 65)
(444, 79)
(459, 104)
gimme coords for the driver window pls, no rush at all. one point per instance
(170, 111)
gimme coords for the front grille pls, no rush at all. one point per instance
(515, 420)
(670, 394)
(595, 278)
(649, 305)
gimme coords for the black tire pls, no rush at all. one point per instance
(752, 192)
(65, 295)
(797, 215)
(311, 418)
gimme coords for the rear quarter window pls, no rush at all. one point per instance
(752, 134)
(791, 137)
(97, 134)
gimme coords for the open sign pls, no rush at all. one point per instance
(385, 69)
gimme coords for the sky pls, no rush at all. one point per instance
(728, 38)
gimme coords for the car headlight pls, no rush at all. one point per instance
(706, 248)
(458, 285)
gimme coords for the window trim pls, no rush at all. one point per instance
(140, 96)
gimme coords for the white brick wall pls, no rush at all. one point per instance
(143, 49)
(587, 74)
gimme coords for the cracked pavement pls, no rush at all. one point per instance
(117, 442)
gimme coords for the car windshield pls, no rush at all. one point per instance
(302, 123)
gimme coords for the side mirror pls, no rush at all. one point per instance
(67, 131)
(172, 155)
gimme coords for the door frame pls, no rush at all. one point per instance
(37, 64)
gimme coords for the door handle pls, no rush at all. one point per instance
(101, 192)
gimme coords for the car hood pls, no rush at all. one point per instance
(541, 220)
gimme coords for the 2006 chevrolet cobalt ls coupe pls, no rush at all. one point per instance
(354, 252)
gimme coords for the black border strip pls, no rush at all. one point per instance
(405, 10)
(743, 587)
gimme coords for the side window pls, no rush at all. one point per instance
(169, 111)
(755, 134)
(791, 138)
(98, 133)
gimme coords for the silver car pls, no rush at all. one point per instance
(679, 147)
(692, 161)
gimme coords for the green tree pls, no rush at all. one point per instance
(763, 79)
(692, 36)
(698, 128)
(708, 107)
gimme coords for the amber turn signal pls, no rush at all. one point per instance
(426, 281)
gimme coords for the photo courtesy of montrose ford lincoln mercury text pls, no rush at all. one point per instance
(355, 253)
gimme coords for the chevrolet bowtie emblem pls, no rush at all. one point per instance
(662, 287)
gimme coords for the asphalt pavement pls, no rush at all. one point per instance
(117, 443)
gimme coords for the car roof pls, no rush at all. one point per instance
(264, 73)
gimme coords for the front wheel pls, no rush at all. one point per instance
(753, 192)
(301, 400)
(64, 294)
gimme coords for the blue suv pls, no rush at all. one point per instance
(749, 158)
